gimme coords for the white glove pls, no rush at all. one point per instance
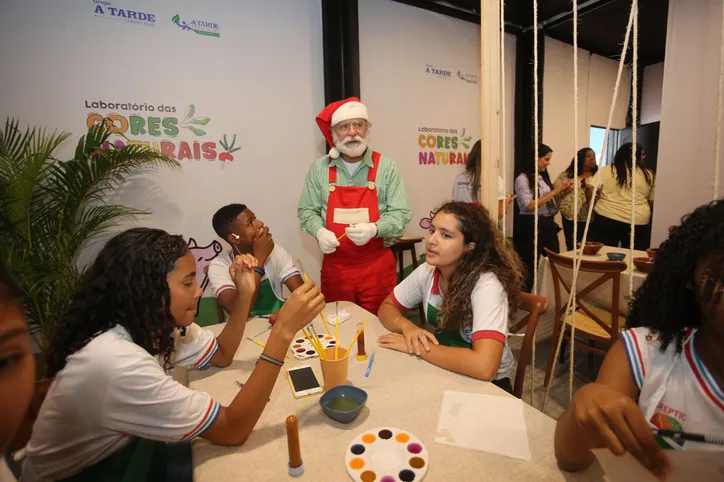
(327, 241)
(361, 233)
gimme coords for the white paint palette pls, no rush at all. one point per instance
(303, 350)
(386, 455)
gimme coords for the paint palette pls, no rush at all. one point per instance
(386, 455)
(302, 349)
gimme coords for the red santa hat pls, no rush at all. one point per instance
(336, 112)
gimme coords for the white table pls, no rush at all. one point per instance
(404, 392)
(602, 294)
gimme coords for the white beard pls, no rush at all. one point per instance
(355, 149)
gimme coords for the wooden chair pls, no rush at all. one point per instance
(398, 249)
(599, 326)
(534, 306)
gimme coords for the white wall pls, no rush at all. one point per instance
(653, 84)
(688, 112)
(261, 79)
(596, 81)
(398, 43)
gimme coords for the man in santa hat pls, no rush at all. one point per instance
(354, 203)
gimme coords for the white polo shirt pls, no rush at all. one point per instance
(463, 189)
(490, 310)
(110, 391)
(677, 392)
(279, 267)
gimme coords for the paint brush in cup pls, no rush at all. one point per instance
(355, 336)
(336, 331)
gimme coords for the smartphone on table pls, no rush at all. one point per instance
(303, 381)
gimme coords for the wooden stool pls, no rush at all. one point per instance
(398, 250)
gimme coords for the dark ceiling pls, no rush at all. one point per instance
(601, 23)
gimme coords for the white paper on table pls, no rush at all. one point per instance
(686, 465)
(343, 316)
(483, 422)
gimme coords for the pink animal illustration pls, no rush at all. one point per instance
(426, 223)
(203, 256)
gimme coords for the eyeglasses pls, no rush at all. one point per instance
(346, 126)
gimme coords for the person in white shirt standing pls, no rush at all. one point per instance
(111, 404)
(237, 225)
(661, 386)
(467, 184)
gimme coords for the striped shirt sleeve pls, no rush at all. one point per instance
(196, 348)
(144, 401)
(636, 348)
(395, 212)
(219, 277)
(313, 202)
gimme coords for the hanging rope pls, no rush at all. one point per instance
(536, 129)
(502, 109)
(575, 190)
(634, 122)
(577, 265)
(720, 108)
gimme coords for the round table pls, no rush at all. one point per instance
(404, 392)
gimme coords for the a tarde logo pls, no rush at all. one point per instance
(442, 146)
(105, 9)
(200, 27)
(159, 126)
(436, 72)
(467, 77)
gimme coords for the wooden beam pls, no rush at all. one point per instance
(490, 65)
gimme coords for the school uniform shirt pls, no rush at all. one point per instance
(677, 392)
(112, 390)
(489, 303)
(614, 201)
(278, 268)
(526, 194)
(463, 189)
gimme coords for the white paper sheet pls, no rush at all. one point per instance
(686, 466)
(343, 316)
(483, 422)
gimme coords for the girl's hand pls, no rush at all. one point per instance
(615, 420)
(242, 272)
(415, 336)
(393, 341)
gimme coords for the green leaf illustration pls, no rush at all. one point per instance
(202, 121)
(190, 111)
(196, 130)
(466, 146)
(463, 134)
(175, 18)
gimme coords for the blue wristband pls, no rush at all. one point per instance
(260, 271)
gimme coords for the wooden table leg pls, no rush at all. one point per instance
(414, 257)
(401, 266)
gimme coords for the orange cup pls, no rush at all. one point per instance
(334, 372)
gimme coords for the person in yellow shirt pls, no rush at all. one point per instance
(612, 225)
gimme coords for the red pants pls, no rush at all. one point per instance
(366, 284)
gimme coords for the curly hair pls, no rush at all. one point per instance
(667, 302)
(492, 254)
(126, 285)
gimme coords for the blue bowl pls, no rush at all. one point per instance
(343, 403)
(616, 256)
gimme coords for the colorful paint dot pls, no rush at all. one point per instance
(406, 475)
(417, 462)
(299, 341)
(332, 342)
(403, 438)
(311, 352)
(387, 478)
(414, 448)
(320, 336)
(356, 464)
(368, 438)
(301, 350)
(329, 338)
(385, 434)
(357, 449)
(368, 476)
